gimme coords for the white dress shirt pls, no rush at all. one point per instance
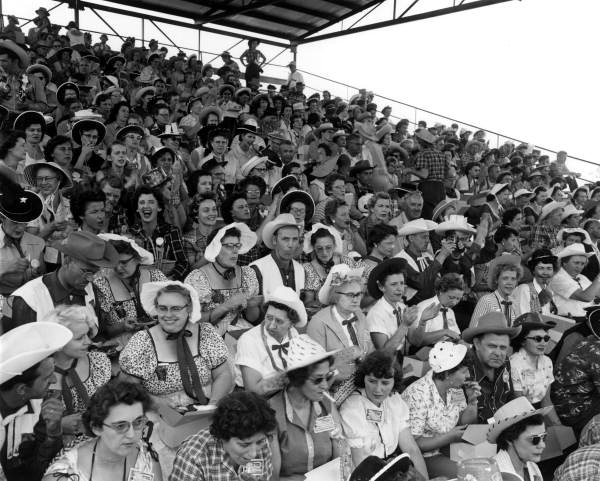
(564, 285)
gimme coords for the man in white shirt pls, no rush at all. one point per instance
(574, 292)
(536, 296)
(294, 77)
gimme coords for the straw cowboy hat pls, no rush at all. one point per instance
(38, 67)
(417, 226)
(425, 136)
(337, 275)
(549, 208)
(247, 239)
(25, 346)
(143, 91)
(146, 257)
(298, 196)
(250, 164)
(205, 112)
(337, 238)
(289, 297)
(88, 124)
(455, 223)
(570, 210)
(30, 173)
(523, 192)
(441, 207)
(271, 228)
(18, 51)
(18, 204)
(510, 414)
(89, 248)
(490, 323)
(445, 355)
(574, 250)
(322, 128)
(148, 298)
(284, 184)
(304, 351)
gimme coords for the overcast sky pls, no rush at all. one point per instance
(526, 69)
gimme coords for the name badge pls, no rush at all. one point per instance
(457, 397)
(254, 467)
(137, 475)
(324, 424)
(375, 415)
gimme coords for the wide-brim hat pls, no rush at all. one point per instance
(298, 196)
(510, 414)
(152, 57)
(247, 239)
(121, 133)
(155, 178)
(224, 87)
(18, 51)
(60, 92)
(304, 351)
(497, 188)
(271, 227)
(541, 255)
(570, 210)
(455, 223)
(490, 323)
(574, 230)
(523, 192)
(249, 126)
(441, 207)
(110, 63)
(30, 174)
(56, 55)
(205, 112)
(592, 314)
(425, 136)
(417, 226)
(322, 128)
(501, 259)
(549, 208)
(171, 130)
(324, 169)
(533, 320)
(28, 344)
(38, 67)
(18, 204)
(445, 355)
(143, 91)
(146, 257)
(337, 275)
(247, 167)
(576, 249)
(30, 117)
(338, 247)
(89, 248)
(359, 167)
(88, 124)
(243, 90)
(373, 468)
(378, 270)
(284, 184)
(148, 298)
(277, 134)
(289, 297)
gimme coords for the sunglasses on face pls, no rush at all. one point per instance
(537, 438)
(318, 380)
(545, 338)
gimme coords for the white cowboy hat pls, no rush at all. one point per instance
(304, 351)
(253, 162)
(338, 274)
(247, 239)
(446, 355)
(574, 250)
(455, 222)
(282, 220)
(574, 230)
(510, 414)
(146, 257)
(549, 208)
(522, 192)
(150, 289)
(289, 297)
(338, 247)
(26, 345)
(417, 226)
(569, 210)
(497, 188)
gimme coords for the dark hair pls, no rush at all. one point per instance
(198, 199)
(53, 143)
(112, 116)
(504, 232)
(112, 181)
(509, 215)
(101, 98)
(81, 199)
(251, 180)
(192, 182)
(444, 374)
(332, 179)
(287, 168)
(112, 394)
(331, 208)
(123, 247)
(326, 148)
(144, 189)
(449, 281)
(297, 377)
(292, 314)
(517, 342)
(379, 232)
(379, 364)
(227, 205)
(110, 147)
(231, 232)
(27, 377)
(511, 433)
(241, 415)
(11, 141)
(391, 269)
(319, 234)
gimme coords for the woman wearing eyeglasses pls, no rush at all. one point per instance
(308, 424)
(180, 361)
(114, 420)
(519, 432)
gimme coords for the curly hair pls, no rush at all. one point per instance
(297, 377)
(512, 433)
(504, 267)
(448, 282)
(198, 200)
(331, 208)
(80, 200)
(242, 415)
(227, 206)
(52, 144)
(332, 179)
(11, 141)
(378, 364)
(293, 316)
(378, 233)
(112, 394)
(144, 189)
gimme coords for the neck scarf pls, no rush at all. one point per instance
(71, 375)
(187, 367)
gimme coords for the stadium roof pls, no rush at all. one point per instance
(294, 21)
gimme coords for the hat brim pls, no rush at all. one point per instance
(150, 289)
(498, 427)
(146, 257)
(472, 332)
(324, 169)
(35, 209)
(315, 358)
(284, 184)
(30, 173)
(109, 259)
(372, 287)
(298, 196)
(88, 124)
(271, 228)
(29, 118)
(441, 207)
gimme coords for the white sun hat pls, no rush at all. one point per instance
(304, 351)
(247, 239)
(338, 274)
(446, 355)
(253, 162)
(338, 248)
(549, 208)
(569, 210)
(147, 258)
(289, 297)
(456, 223)
(150, 289)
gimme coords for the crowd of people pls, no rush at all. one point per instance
(176, 235)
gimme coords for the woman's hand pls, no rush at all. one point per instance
(72, 424)
(237, 301)
(456, 433)
(473, 391)
(58, 225)
(431, 311)
(410, 315)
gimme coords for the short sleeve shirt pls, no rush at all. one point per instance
(437, 322)
(381, 318)
(563, 286)
(533, 381)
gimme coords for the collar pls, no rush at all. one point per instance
(283, 265)
(388, 306)
(58, 290)
(338, 316)
(537, 286)
(499, 295)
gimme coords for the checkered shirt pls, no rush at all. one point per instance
(433, 161)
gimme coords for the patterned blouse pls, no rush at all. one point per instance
(194, 245)
(314, 281)
(532, 381)
(162, 378)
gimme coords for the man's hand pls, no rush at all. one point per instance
(51, 413)
(18, 264)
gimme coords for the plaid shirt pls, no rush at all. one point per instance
(203, 458)
(173, 246)
(581, 465)
(545, 236)
(433, 161)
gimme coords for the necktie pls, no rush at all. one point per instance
(70, 374)
(398, 315)
(282, 349)
(187, 367)
(16, 243)
(507, 305)
(578, 279)
(351, 331)
(444, 311)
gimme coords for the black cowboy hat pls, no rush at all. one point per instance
(298, 196)
(60, 92)
(379, 271)
(110, 63)
(18, 204)
(28, 118)
(359, 167)
(88, 124)
(284, 184)
(121, 133)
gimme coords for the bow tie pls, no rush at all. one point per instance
(283, 347)
(507, 303)
(345, 322)
(172, 336)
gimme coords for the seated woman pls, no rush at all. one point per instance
(341, 325)
(519, 432)
(324, 245)
(375, 418)
(203, 214)
(308, 424)
(118, 289)
(79, 372)
(238, 441)
(180, 361)
(530, 368)
(224, 288)
(439, 411)
(116, 418)
(262, 351)
(381, 242)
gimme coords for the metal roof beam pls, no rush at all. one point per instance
(254, 29)
(228, 12)
(259, 16)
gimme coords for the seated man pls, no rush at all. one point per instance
(488, 362)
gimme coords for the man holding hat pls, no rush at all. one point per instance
(282, 235)
(83, 255)
(488, 363)
(30, 432)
